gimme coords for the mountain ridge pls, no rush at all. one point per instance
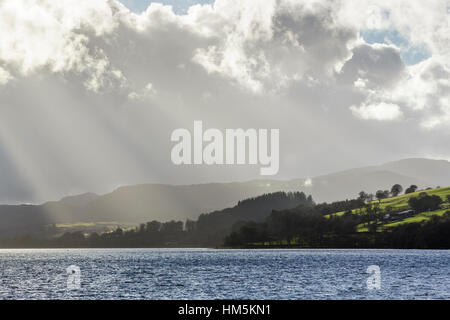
(164, 202)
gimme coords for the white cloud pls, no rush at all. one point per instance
(360, 83)
(146, 92)
(266, 47)
(376, 18)
(56, 35)
(378, 111)
(421, 22)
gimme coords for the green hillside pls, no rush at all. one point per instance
(400, 203)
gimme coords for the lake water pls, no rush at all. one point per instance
(222, 274)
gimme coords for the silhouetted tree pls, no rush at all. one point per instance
(153, 226)
(396, 189)
(363, 196)
(382, 194)
(190, 225)
(412, 188)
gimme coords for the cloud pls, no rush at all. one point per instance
(146, 92)
(381, 111)
(421, 23)
(90, 91)
(55, 36)
(5, 76)
(265, 48)
(424, 93)
(378, 65)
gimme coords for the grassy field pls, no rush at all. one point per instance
(90, 227)
(419, 217)
(401, 203)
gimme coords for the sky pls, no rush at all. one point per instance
(178, 6)
(90, 91)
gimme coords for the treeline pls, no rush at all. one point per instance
(278, 219)
(303, 227)
(308, 229)
(338, 206)
(209, 230)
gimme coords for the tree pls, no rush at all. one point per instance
(172, 228)
(153, 226)
(363, 195)
(448, 198)
(425, 202)
(380, 194)
(396, 189)
(412, 188)
(372, 214)
(190, 225)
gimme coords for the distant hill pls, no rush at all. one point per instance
(147, 202)
(165, 202)
(79, 200)
(434, 172)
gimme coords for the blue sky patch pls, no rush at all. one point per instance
(179, 6)
(410, 54)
